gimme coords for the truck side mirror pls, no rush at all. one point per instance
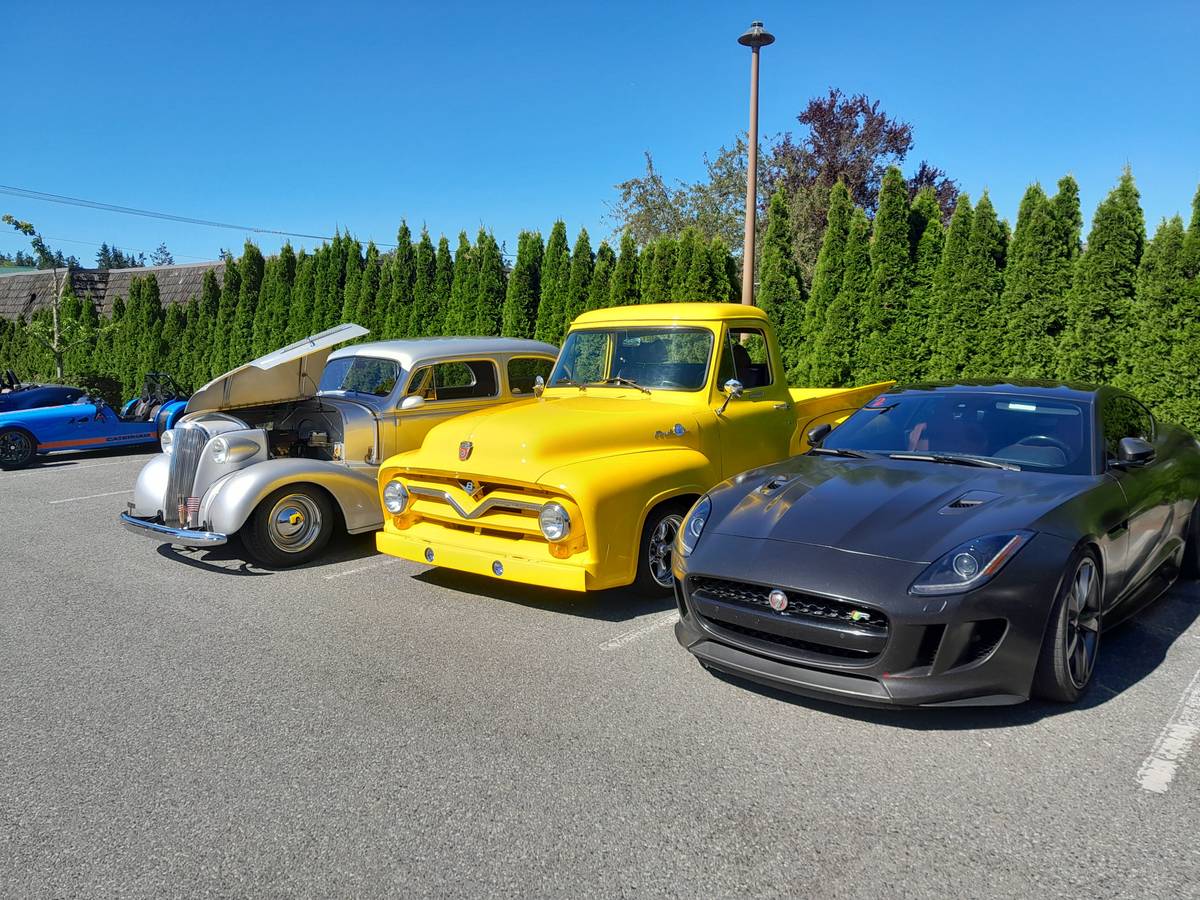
(539, 385)
(733, 390)
(412, 401)
(818, 434)
(1132, 451)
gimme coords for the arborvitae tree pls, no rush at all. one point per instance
(827, 281)
(231, 284)
(601, 286)
(460, 318)
(395, 319)
(623, 288)
(251, 268)
(664, 271)
(261, 331)
(383, 296)
(646, 273)
(701, 279)
(722, 266)
(690, 240)
(521, 298)
(443, 282)
(926, 239)
(187, 343)
(368, 292)
(1184, 405)
(205, 332)
(424, 320)
(579, 281)
(556, 270)
(779, 293)
(300, 318)
(884, 351)
(324, 285)
(489, 299)
(1068, 217)
(1190, 260)
(979, 326)
(1157, 317)
(1099, 305)
(833, 358)
(943, 314)
(351, 281)
(172, 360)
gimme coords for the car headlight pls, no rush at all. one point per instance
(693, 525)
(167, 441)
(971, 564)
(395, 497)
(219, 450)
(554, 521)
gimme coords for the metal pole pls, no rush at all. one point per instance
(751, 186)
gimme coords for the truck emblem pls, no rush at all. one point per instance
(464, 451)
(778, 600)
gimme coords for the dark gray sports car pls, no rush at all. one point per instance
(946, 545)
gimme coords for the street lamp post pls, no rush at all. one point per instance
(754, 38)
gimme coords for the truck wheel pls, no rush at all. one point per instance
(657, 547)
(290, 527)
(17, 448)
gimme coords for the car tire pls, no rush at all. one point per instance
(290, 527)
(1190, 567)
(654, 576)
(18, 448)
(1072, 640)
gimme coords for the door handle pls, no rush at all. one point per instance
(782, 405)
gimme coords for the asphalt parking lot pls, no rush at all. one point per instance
(180, 724)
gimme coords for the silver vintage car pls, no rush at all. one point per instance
(284, 449)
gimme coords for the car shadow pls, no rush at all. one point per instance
(615, 605)
(1128, 653)
(66, 460)
(230, 558)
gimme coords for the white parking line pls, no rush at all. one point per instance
(1174, 742)
(58, 470)
(91, 496)
(361, 569)
(641, 631)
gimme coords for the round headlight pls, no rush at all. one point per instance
(554, 521)
(395, 497)
(966, 566)
(693, 525)
(219, 449)
(167, 441)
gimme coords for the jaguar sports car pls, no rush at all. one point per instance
(947, 545)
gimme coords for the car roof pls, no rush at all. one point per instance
(1062, 390)
(681, 312)
(411, 353)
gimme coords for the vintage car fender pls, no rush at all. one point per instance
(230, 500)
(615, 494)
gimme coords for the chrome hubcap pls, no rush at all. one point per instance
(662, 542)
(1083, 623)
(14, 446)
(295, 523)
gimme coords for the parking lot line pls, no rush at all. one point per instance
(58, 470)
(361, 569)
(1174, 742)
(641, 631)
(91, 496)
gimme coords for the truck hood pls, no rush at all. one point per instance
(526, 441)
(290, 373)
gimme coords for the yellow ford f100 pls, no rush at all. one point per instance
(646, 408)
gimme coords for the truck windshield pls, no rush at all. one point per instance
(360, 375)
(672, 359)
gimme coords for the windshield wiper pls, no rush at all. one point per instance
(841, 451)
(569, 383)
(619, 379)
(956, 460)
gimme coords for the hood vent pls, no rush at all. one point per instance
(970, 500)
(774, 483)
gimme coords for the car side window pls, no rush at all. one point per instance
(1125, 417)
(746, 356)
(459, 380)
(524, 371)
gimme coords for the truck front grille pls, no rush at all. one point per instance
(505, 509)
(185, 460)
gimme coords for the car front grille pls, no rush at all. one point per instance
(799, 606)
(181, 476)
(502, 508)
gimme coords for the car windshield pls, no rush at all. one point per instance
(672, 359)
(1032, 432)
(360, 375)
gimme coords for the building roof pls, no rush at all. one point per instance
(673, 312)
(23, 293)
(414, 352)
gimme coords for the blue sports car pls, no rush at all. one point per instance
(90, 423)
(16, 395)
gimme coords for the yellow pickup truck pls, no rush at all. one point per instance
(646, 408)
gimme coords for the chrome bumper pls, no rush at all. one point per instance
(181, 536)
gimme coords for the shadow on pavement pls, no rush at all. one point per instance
(1128, 653)
(229, 559)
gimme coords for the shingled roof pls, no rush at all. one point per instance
(24, 292)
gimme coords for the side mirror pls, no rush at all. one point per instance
(539, 385)
(412, 401)
(733, 389)
(1133, 451)
(818, 434)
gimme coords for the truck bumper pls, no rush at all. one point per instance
(492, 561)
(183, 537)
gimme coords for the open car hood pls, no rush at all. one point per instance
(291, 373)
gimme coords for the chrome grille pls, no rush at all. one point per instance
(185, 460)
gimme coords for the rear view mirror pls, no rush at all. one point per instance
(412, 401)
(733, 389)
(1134, 451)
(539, 385)
(818, 434)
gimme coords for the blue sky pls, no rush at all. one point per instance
(309, 117)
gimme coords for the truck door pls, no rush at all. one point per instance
(756, 428)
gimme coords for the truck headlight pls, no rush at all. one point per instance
(693, 525)
(554, 521)
(219, 450)
(970, 565)
(167, 441)
(395, 497)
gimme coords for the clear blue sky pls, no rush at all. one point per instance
(310, 117)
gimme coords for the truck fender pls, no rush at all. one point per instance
(230, 500)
